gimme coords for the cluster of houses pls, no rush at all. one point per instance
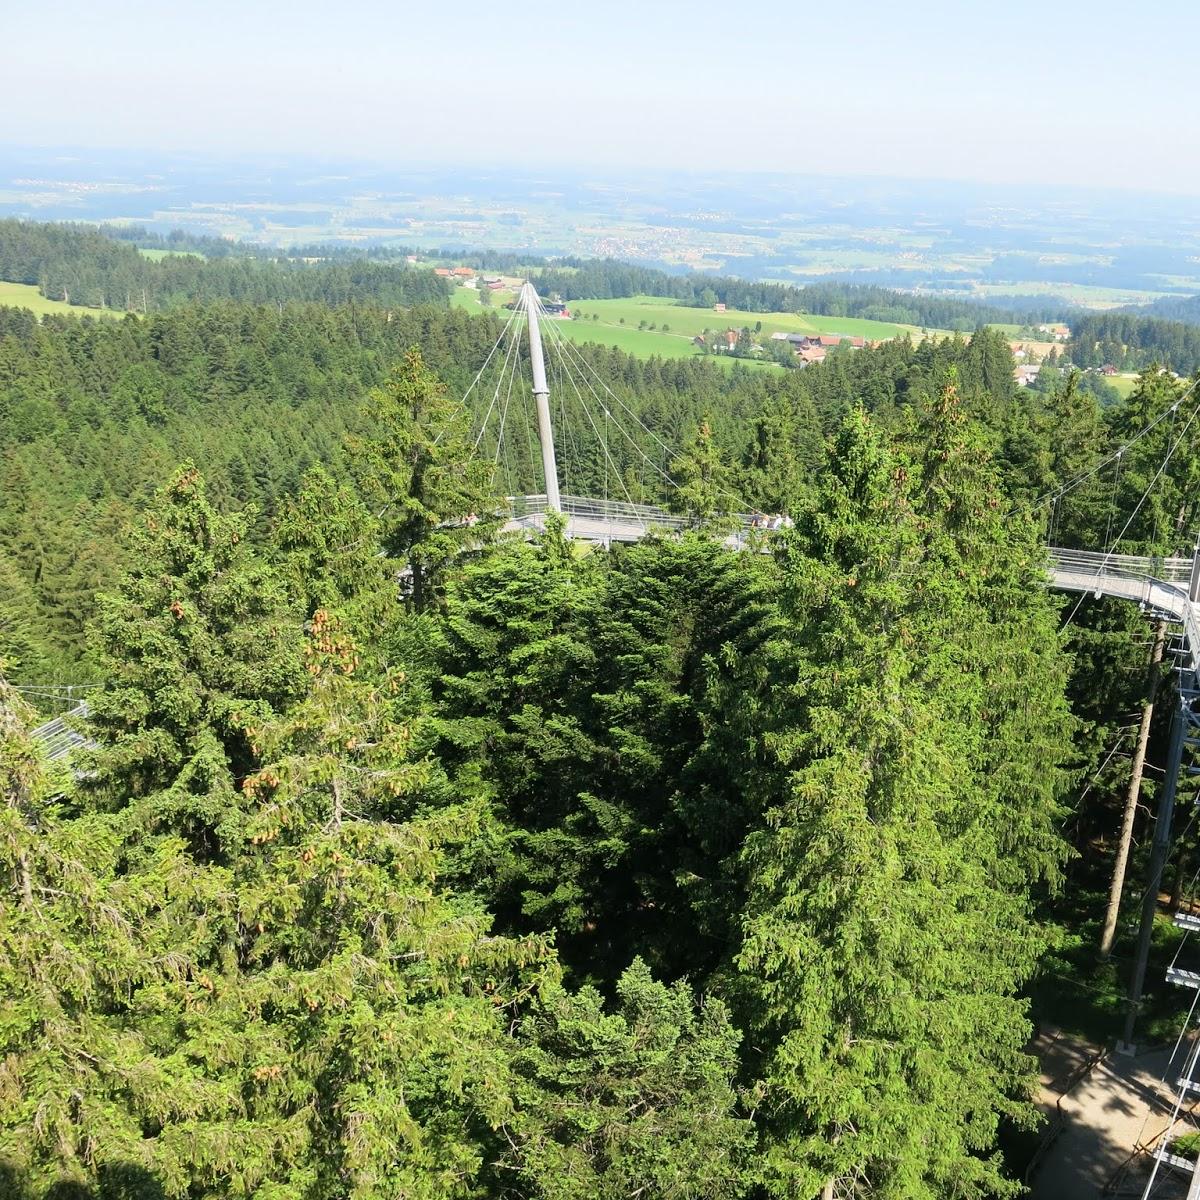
(469, 277)
(1059, 333)
(812, 348)
(807, 347)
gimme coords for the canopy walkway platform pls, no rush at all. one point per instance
(1169, 586)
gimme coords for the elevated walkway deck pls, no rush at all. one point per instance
(1163, 585)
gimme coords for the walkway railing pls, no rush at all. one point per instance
(60, 737)
(592, 509)
(619, 512)
(1169, 570)
(1168, 585)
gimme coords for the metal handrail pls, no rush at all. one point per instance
(1165, 570)
(621, 510)
(60, 736)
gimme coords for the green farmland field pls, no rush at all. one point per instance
(468, 298)
(643, 343)
(617, 325)
(25, 295)
(157, 255)
(1123, 383)
(691, 321)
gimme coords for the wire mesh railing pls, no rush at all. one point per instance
(1167, 570)
(618, 512)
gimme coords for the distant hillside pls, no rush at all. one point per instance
(1172, 308)
(103, 267)
(90, 268)
(611, 279)
(1132, 342)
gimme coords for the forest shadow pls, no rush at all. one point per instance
(123, 1181)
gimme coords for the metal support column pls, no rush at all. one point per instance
(1158, 858)
(541, 397)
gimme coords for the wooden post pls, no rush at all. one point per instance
(1133, 795)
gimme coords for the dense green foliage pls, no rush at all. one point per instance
(1132, 342)
(94, 415)
(414, 860)
(82, 266)
(1174, 308)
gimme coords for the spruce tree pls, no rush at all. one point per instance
(195, 648)
(639, 1100)
(888, 929)
(418, 474)
(327, 545)
(703, 492)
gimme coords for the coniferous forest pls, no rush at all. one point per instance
(410, 859)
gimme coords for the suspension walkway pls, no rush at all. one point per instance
(1166, 586)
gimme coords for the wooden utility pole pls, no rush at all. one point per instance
(1134, 793)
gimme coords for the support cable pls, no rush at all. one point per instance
(1108, 553)
(500, 435)
(607, 411)
(645, 428)
(1083, 476)
(516, 337)
(1112, 503)
(1166, 1136)
(585, 366)
(591, 420)
(478, 375)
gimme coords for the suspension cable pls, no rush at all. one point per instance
(478, 375)
(591, 420)
(516, 337)
(572, 351)
(1083, 476)
(1112, 503)
(1108, 552)
(503, 418)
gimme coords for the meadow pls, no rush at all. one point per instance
(689, 322)
(645, 343)
(616, 324)
(26, 295)
(1124, 383)
(156, 254)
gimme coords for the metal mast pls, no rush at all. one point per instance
(541, 397)
(1185, 735)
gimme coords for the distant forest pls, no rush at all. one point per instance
(611, 279)
(87, 267)
(102, 268)
(1172, 308)
(1132, 343)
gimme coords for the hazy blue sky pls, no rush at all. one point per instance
(1053, 91)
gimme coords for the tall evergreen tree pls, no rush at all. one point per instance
(195, 648)
(703, 480)
(887, 931)
(419, 475)
(635, 1101)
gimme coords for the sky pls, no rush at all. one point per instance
(1052, 92)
